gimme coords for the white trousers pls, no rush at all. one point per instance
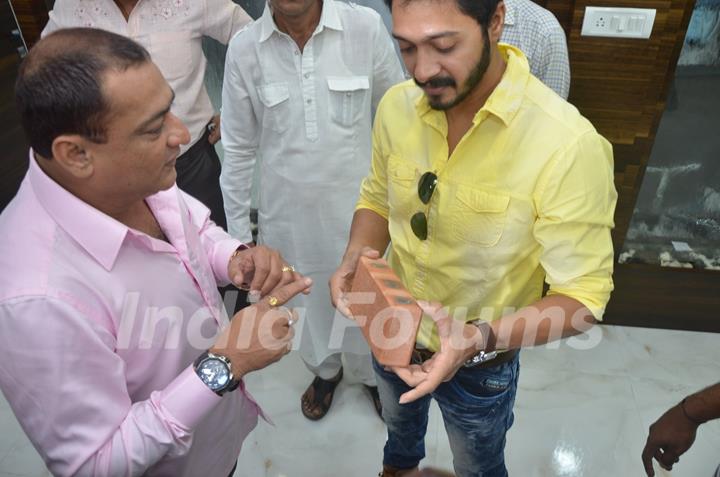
(359, 366)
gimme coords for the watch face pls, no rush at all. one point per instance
(214, 373)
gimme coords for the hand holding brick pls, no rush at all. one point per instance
(388, 314)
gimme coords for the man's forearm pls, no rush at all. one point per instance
(704, 406)
(549, 319)
(369, 229)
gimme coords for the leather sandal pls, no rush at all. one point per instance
(375, 397)
(319, 396)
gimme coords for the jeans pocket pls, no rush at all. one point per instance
(481, 383)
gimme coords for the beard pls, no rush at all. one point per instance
(474, 79)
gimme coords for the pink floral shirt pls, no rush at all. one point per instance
(172, 31)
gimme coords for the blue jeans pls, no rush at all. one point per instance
(476, 406)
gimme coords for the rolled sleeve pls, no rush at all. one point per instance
(576, 203)
(373, 190)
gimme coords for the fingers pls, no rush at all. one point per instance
(666, 459)
(338, 288)
(647, 456)
(423, 389)
(285, 293)
(412, 375)
(369, 252)
(274, 276)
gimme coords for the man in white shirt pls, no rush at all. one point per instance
(172, 32)
(539, 35)
(300, 87)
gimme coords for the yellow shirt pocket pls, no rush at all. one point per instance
(402, 187)
(479, 216)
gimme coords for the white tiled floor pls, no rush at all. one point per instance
(578, 414)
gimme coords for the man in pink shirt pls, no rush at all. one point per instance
(172, 31)
(115, 351)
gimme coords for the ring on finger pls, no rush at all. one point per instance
(273, 301)
(288, 268)
(291, 317)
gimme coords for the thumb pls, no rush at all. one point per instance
(439, 315)
(370, 252)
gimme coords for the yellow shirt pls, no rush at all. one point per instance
(528, 193)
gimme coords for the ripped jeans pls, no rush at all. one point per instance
(477, 409)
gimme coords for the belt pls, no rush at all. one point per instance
(420, 355)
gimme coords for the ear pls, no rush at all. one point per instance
(497, 21)
(73, 156)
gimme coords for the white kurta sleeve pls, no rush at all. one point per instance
(240, 133)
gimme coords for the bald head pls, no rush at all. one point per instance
(59, 89)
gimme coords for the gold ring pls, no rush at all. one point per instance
(273, 301)
(288, 268)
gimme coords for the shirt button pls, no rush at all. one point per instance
(348, 94)
(309, 101)
(297, 52)
(307, 75)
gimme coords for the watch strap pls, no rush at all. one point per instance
(232, 383)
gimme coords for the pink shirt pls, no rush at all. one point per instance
(99, 324)
(172, 31)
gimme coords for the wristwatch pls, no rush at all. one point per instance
(216, 372)
(489, 338)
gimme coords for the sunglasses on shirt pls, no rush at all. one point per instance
(419, 221)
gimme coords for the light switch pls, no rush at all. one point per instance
(618, 22)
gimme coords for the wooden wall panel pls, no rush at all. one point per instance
(621, 86)
(32, 15)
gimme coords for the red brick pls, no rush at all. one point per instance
(392, 319)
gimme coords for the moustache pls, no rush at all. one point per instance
(438, 82)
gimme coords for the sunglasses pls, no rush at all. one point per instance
(419, 221)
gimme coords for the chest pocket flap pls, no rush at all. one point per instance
(480, 216)
(347, 98)
(273, 94)
(348, 83)
(481, 201)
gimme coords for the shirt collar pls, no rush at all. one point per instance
(99, 234)
(510, 12)
(329, 18)
(506, 98)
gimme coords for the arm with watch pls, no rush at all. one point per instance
(222, 367)
(476, 342)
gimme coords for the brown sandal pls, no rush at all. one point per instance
(317, 398)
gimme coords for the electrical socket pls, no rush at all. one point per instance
(618, 22)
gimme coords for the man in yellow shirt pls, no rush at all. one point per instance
(486, 182)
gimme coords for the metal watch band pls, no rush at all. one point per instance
(489, 351)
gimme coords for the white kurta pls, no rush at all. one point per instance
(306, 116)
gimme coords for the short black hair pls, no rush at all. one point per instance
(481, 10)
(59, 89)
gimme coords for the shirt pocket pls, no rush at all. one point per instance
(402, 186)
(347, 98)
(479, 217)
(174, 52)
(275, 99)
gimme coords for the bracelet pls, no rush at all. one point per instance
(687, 416)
